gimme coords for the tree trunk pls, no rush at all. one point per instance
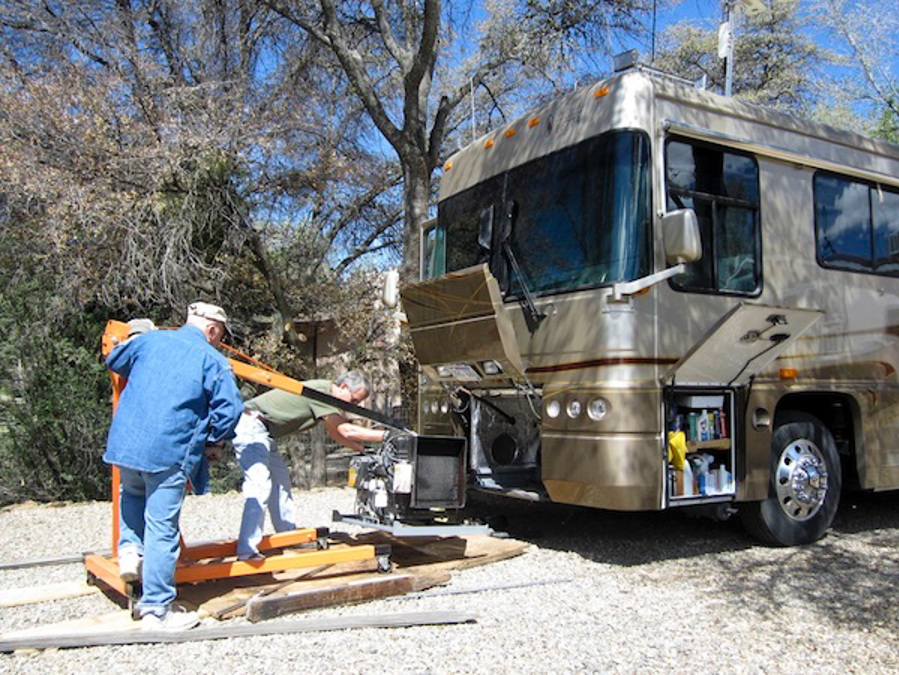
(416, 190)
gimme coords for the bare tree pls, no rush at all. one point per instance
(867, 40)
(158, 143)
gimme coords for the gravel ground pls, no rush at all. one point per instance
(631, 593)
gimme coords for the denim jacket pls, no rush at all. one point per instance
(181, 394)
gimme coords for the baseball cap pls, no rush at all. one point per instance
(140, 326)
(208, 311)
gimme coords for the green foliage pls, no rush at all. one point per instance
(887, 125)
(55, 408)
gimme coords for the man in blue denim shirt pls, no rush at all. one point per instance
(181, 396)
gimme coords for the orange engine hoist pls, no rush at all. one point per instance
(217, 560)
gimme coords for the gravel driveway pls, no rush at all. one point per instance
(629, 593)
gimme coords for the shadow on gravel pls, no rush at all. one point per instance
(611, 537)
(850, 576)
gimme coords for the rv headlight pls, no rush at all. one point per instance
(574, 409)
(597, 409)
(491, 368)
(553, 408)
(444, 407)
(458, 371)
(433, 407)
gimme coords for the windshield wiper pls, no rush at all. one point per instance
(532, 316)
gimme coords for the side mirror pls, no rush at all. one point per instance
(390, 294)
(680, 231)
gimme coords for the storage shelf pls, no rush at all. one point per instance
(717, 444)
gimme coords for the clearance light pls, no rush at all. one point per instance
(789, 373)
(602, 91)
(447, 166)
(509, 133)
(597, 409)
(553, 409)
(534, 122)
(574, 409)
(489, 143)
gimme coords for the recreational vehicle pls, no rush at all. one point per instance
(646, 296)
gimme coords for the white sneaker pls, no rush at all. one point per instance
(130, 563)
(175, 619)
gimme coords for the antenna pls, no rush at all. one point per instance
(726, 35)
(474, 125)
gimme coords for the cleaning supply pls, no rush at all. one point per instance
(688, 480)
(702, 426)
(677, 449)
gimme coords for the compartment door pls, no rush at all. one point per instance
(460, 320)
(744, 342)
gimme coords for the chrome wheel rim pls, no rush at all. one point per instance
(801, 480)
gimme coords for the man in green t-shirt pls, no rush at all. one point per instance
(273, 415)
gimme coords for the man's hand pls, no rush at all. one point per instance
(214, 451)
(393, 435)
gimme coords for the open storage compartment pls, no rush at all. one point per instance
(701, 462)
(701, 390)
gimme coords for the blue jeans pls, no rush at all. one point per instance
(150, 511)
(266, 484)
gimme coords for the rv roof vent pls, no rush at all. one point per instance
(625, 60)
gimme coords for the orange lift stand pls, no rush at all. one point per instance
(209, 561)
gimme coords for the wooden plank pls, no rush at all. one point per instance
(363, 590)
(399, 620)
(480, 556)
(241, 604)
(111, 622)
(216, 596)
(25, 596)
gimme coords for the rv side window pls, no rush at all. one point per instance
(856, 225)
(722, 188)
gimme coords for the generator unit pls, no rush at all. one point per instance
(411, 485)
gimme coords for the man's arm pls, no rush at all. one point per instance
(121, 358)
(225, 407)
(351, 435)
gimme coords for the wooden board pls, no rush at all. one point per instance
(351, 592)
(220, 632)
(113, 622)
(26, 596)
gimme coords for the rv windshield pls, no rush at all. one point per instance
(582, 217)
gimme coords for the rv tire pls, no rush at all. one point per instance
(804, 487)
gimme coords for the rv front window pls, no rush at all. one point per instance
(433, 253)
(582, 217)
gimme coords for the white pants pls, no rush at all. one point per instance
(266, 484)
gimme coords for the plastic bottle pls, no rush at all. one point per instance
(688, 480)
(702, 426)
